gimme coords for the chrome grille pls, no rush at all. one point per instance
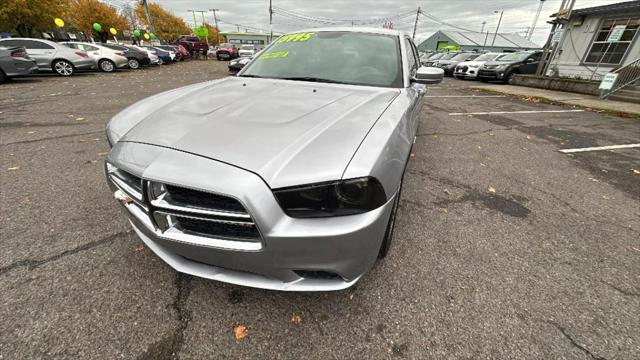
(186, 215)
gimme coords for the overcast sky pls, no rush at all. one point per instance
(518, 14)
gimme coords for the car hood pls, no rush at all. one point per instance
(494, 63)
(287, 132)
(472, 63)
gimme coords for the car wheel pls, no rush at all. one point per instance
(484, 80)
(388, 234)
(63, 68)
(106, 65)
(134, 64)
(160, 61)
(509, 78)
(3, 77)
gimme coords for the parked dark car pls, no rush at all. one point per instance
(193, 44)
(163, 55)
(14, 61)
(450, 65)
(227, 52)
(136, 57)
(430, 60)
(237, 64)
(523, 62)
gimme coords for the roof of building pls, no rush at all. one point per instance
(462, 38)
(617, 7)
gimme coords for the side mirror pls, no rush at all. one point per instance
(428, 75)
(530, 61)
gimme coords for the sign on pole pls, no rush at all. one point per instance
(608, 81)
(557, 36)
(616, 33)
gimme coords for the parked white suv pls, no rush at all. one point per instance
(247, 51)
(469, 69)
(107, 59)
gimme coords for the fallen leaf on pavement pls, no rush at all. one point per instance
(240, 331)
(103, 153)
(31, 132)
(492, 190)
(636, 171)
(296, 319)
(139, 248)
(444, 210)
(14, 168)
(79, 119)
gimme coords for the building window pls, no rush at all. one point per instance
(612, 53)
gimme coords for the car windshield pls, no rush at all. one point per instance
(247, 47)
(519, 56)
(436, 56)
(462, 57)
(332, 56)
(226, 46)
(448, 56)
(487, 57)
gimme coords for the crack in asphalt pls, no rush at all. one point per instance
(620, 290)
(169, 347)
(574, 342)
(53, 138)
(35, 263)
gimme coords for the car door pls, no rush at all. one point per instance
(41, 52)
(93, 51)
(416, 91)
(530, 65)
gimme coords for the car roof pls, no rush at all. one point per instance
(380, 31)
(34, 39)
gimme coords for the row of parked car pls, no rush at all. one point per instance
(25, 56)
(484, 67)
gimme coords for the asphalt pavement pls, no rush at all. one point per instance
(505, 247)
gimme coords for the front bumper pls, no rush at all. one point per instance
(290, 251)
(466, 72)
(491, 74)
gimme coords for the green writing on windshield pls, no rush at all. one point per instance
(275, 55)
(297, 37)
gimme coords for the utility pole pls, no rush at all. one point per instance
(270, 21)
(215, 21)
(498, 27)
(146, 12)
(482, 29)
(535, 20)
(415, 26)
(195, 23)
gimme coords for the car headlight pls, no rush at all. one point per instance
(474, 66)
(338, 198)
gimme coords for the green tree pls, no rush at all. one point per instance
(27, 16)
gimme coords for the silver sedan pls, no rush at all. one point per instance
(51, 56)
(106, 59)
(286, 177)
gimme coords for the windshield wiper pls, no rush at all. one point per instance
(312, 79)
(252, 76)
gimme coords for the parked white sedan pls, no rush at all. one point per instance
(107, 59)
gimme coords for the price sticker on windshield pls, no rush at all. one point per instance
(275, 55)
(297, 37)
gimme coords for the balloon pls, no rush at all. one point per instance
(152, 35)
(113, 31)
(146, 36)
(97, 27)
(136, 32)
(59, 22)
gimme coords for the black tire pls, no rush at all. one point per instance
(484, 80)
(106, 65)
(3, 77)
(388, 234)
(509, 78)
(134, 63)
(63, 68)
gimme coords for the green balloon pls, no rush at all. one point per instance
(152, 35)
(97, 27)
(136, 32)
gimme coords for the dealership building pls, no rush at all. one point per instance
(260, 40)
